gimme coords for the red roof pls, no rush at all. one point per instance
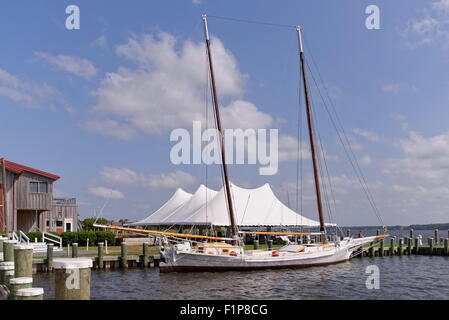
(18, 168)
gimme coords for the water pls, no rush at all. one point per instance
(407, 277)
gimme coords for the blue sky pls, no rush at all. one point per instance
(93, 105)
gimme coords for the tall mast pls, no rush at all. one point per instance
(311, 137)
(221, 136)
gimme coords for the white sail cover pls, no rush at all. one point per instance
(253, 207)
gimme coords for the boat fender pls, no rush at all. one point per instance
(275, 253)
(233, 253)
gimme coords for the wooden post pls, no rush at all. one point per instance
(5, 267)
(75, 250)
(416, 246)
(145, 255)
(409, 246)
(411, 233)
(371, 249)
(348, 233)
(30, 294)
(392, 247)
(437, 237)
(124, 256)
(401, 246)
(23, 261)
(382, 248)
(72, 278)
(446, 247)
(19, 283)
(430, 241)
(50, 257)
(8, 250)
(256, 244)
(270, 244)
(100, 260)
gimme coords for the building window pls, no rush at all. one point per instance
(39, 187)
(47, 223)
(59, 223)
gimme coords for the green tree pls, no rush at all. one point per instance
(88, 224)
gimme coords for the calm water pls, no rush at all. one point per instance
(414, 277)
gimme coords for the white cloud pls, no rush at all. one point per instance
(78, 66)
(104, 192)
(100, 42)
(370, 135)
(431, 28)
(426, 158)
(288, 149)
(27, 93)
(128, 177)
(111, 128)
(365, 160)
(397, 88)
(166, 91)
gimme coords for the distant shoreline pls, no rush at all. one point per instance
(430, 226)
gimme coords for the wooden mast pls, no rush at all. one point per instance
(311, 137)
(221, 137)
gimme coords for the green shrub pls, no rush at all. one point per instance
(84, 235)
(33, 235)
(69, 237)
(106, 235)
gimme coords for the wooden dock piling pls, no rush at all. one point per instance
(416, 246)
(382, 248)
(401, 246)
(75, 250)
(431, 245)
(145, 255)
(23, 261)
(100, 260)
(124, 255)
(391, 251)
(50, 248)
(256, 244)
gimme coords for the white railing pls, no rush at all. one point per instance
(52, 238)
(21, 238)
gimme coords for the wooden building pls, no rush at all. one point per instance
(28, 193)
(63, 216)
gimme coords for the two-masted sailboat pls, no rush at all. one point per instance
(189, 252)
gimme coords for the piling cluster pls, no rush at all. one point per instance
(16, 271)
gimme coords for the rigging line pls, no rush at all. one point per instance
(246, 207)
(352, 159)
(320, 151)
(376, 211)
(253, 22)
(328, 179)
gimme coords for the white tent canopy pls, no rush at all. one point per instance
(177, 200)
(253, 207)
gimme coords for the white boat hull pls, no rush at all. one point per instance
(180, 261)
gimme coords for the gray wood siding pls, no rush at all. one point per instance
(27, 200)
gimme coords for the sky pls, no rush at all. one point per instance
(96, 105)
